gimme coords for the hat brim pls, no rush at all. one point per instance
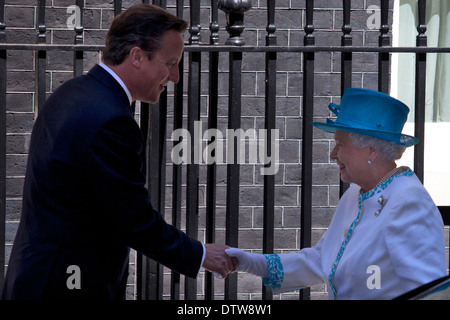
(398, 138)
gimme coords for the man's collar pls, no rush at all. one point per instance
(122, 84)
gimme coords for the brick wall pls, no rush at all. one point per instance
(21, 28)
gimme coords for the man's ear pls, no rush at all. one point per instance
(136, 56)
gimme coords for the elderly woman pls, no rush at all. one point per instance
(386, 236)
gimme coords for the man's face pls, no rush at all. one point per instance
(156, 73)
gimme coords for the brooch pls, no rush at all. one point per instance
(382, 201)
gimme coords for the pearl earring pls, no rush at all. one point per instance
(369, 162)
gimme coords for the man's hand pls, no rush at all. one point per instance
(216, 260)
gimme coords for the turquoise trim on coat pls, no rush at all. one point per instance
(276, 273)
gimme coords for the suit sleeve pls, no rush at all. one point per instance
(115, 161)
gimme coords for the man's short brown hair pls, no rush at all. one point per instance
(142, 26)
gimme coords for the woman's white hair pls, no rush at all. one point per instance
(387, 150)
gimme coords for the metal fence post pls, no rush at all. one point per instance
(78, 54)
(270, 123)
(2, 142)
(346, 65)
(235, 11)
(383, 57)
(307, 136)
(192, 187)
(40, 60)
(211, 173)
(421, 69)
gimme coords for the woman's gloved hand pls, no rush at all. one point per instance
(253, 263)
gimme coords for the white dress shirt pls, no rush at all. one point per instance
(122, 84)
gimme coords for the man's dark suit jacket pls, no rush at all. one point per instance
(85, 201)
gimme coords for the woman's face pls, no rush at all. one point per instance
(352, 161)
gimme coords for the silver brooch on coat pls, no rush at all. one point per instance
(382, 201)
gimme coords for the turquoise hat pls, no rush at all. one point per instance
(370, 113)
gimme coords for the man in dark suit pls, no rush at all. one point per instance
(84, 201)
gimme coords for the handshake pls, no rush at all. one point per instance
(222, 260)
